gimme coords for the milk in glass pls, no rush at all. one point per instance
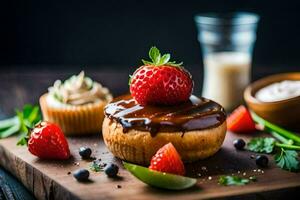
(226, 75)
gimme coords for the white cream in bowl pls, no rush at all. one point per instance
(279, 91)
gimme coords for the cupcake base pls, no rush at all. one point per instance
(74, 120)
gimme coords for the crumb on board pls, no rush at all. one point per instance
(204, 168)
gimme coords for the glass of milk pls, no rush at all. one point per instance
(227, 42)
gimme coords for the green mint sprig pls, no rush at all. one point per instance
(27, 118)
(158, 60)
(286, 155)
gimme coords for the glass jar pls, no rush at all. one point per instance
(227, 42)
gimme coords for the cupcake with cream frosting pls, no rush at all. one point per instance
(76, 104)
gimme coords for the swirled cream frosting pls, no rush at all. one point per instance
(78, 90)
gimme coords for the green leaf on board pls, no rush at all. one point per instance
(287, 160)
(233, 180)
(261, 145)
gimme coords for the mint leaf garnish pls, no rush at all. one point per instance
(261, 145)
(21, 122)
(287, 160)
(233, 180)
(158, 60)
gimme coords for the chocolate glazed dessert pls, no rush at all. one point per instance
(195, 114)
(161, 109)
(134, 132)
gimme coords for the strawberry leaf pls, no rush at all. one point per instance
(23, 140)
(146, 62)
(158, 60)
(174, 64)
(129, 81)
(165, 59)
(34, 116)
(154, 55)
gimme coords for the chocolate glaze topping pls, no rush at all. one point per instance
(195, 114)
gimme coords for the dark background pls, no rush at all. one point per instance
(119, 33)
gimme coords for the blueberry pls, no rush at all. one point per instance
(85, 152)
(239, 144)
(262, 161)
(81, 175)
(111, 170)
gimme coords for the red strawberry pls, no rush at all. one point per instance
(160, 81)
(240, 120)
(167, 160)
(47, 141)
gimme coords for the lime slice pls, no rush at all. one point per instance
(160, 179)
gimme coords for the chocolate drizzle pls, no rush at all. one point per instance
(195, 114)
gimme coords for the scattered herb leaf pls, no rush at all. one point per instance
(233, 180)
(96, 166)
(261, 145)
(287, 160)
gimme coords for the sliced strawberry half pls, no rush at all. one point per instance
(240, 120)
(167, 160)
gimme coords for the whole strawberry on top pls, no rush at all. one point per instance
(47, 141)
(160, 81)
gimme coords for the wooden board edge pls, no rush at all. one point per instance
(41, 186)
(248, 191)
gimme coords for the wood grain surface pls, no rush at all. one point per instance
(52, 179)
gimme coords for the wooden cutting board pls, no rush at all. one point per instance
(52, 179)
